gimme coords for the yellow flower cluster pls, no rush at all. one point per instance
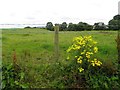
(96, 62)
(68, 58)
(69, 49)
(84, 48)
(80, 69)
(82, 53)
(80, 42)
(95, 49)
(88, 54)
(73, 47)
(79, 60)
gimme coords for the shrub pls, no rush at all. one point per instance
(83, 50)
(12, 78)
(81, 54)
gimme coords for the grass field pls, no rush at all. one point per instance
(35, 52)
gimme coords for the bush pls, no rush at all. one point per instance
(81, 54)
(82, 50)
(12, 78)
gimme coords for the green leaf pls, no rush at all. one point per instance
(114, 78)
(4, 84)
(16, 82)
(106, 85)
(24, 85)
(22, 74)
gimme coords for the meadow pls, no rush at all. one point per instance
(35, 53)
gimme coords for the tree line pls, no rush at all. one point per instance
(113, 24)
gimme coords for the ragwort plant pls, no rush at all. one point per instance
(83, 50)
(82, 54)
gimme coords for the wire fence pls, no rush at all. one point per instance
(21, 25)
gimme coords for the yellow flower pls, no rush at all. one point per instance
(77, 47)
(95, 59)
(93, 64)
(87, 56)
(90, 39)
(81, 69)
(96, 62)
(90, 36)
(82, 53)
(90, 46)
(68, 58)
(94, 42)
(95, 49)
(91, 53)
(100, 62)
(69, 49)
(79, 61)
(83, 45)
(80, 57)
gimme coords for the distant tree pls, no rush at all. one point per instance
(81, 26)
(27, 27)
(114, 24)
(49, 26)
(116, 17)
(72, 27)
(99, 26)
(63, 26)
(89, 27)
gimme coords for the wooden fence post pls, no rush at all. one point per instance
(118, 46)
(1, 59)
(56, 41)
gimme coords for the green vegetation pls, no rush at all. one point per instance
(12, 77)
(35, 55)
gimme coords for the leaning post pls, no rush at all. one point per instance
(118, 36)
(118, 48)
(118, 43)
(56, 41)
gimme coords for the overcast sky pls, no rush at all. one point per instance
(57, 11)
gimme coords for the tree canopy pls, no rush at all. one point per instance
(49, 26)
(114, 24)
